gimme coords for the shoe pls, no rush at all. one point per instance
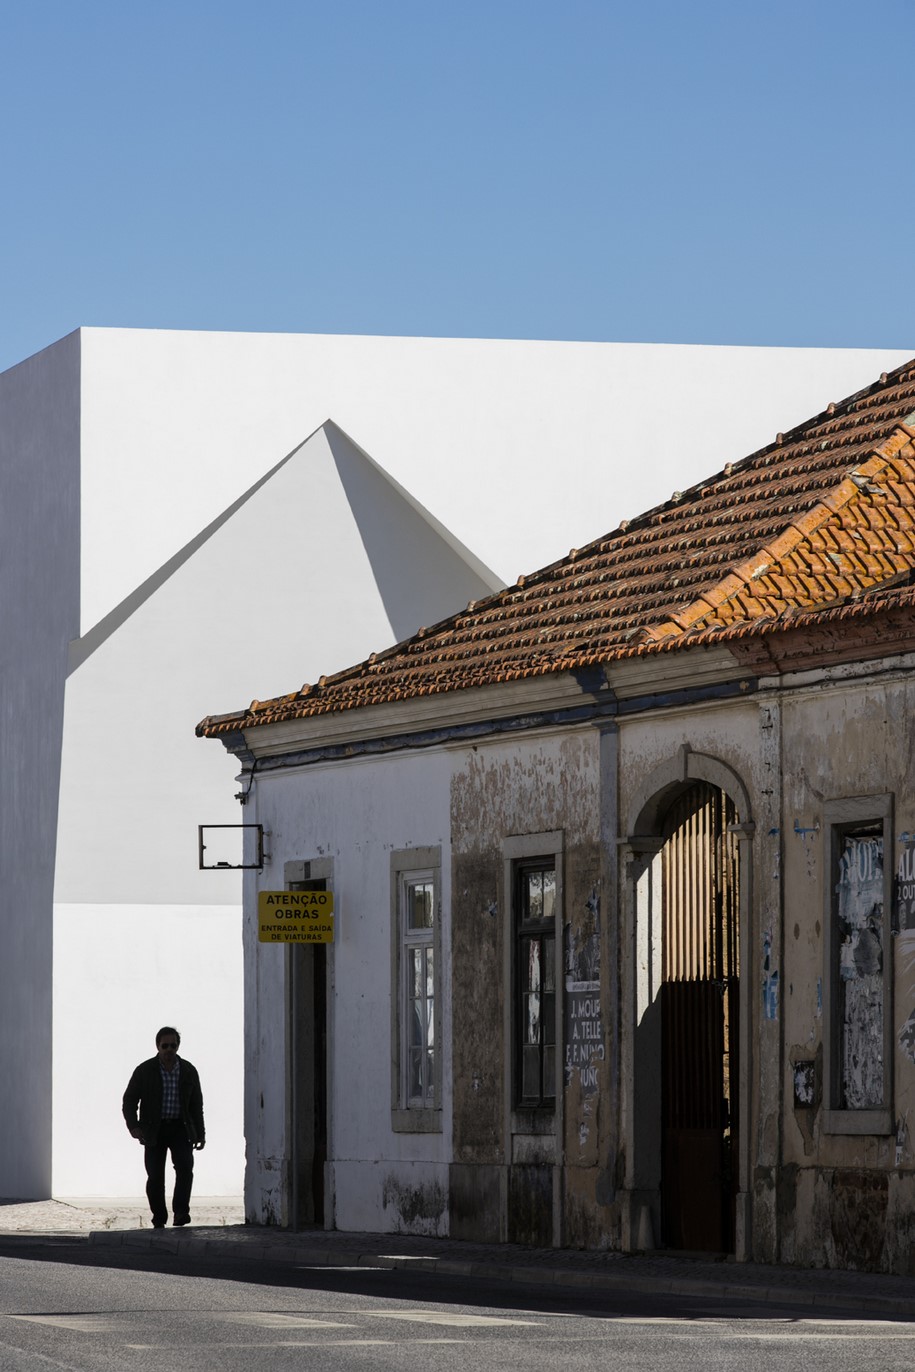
(180, 1220)
(158, 1224)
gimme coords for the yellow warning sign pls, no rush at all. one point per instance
(295, 916)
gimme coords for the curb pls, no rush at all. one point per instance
(187, 1246)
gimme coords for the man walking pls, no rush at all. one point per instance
(166, 1089)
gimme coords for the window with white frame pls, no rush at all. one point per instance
(416, 1019)
(858, 1065)
(419, 1049)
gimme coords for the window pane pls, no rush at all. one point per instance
(538, 894)
(530, 948)
(531, 1028)
(534, 902)
(416, 971)
(549, 894)
(860, 971)
(419, 905)
(549, 1019)
(430, 1011)
(417, 1025)
(530, 992)
(415, 1073)
(549, 1072)
(530, 1073)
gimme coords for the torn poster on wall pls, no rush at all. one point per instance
(770, 980)
(804, 1084)
(904, 953)
(905, 886)
(584, 1032)
(584, 1035)
(859, 920)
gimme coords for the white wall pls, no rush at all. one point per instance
(282, 591)
(39, 607)
(355, 813)
(123, 971)
(315, 565)
(523, 449)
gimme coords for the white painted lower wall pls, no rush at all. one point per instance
(354, 814)
(392, 1197)
(123, 971)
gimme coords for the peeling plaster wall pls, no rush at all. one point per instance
(507, 789)
(816, 1197)
(847, 1199)
(793, 748)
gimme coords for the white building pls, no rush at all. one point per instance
(186, 522)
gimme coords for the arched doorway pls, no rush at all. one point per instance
(687, 1051)
(700, 1019)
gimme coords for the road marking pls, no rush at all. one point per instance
(274, 1319)
(658, 1319)
(444, 1317)
(325, 1267)
(40, 1357)
(785, 1326)
(859, 1323)
(294, 1343)
(83, 1324)
(817, 1336)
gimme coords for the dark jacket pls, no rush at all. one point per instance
(145, 1090)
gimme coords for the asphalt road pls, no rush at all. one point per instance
(65, 1308)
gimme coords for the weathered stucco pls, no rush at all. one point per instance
(811, 1185)
(845, 1196)
(478, 1006)
(504, 791)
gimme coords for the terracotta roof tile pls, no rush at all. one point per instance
(822, 517)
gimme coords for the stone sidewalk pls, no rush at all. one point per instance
(84, 1214)
(218, 1232)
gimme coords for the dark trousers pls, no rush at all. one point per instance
(172, 1139)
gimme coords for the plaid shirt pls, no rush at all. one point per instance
(171, 1102)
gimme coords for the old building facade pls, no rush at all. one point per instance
(144, 475)
(623, 870)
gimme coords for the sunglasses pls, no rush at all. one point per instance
(168, 1045)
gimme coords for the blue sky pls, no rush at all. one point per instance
(580, 169)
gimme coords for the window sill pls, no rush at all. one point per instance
(858, 1122)
(416, 1121)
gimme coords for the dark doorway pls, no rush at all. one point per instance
(700, 1022)
(308, 1075)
